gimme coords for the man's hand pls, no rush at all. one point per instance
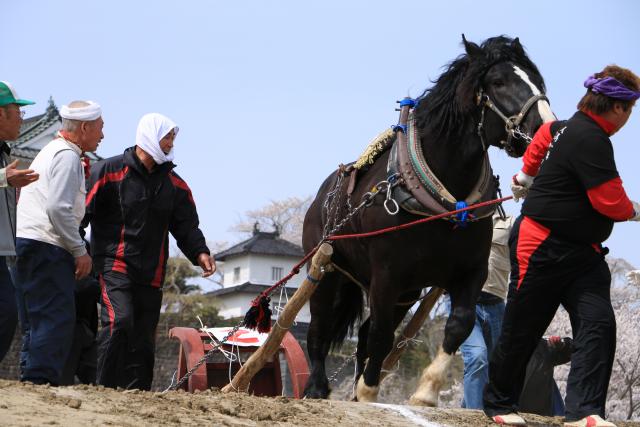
(636, 212)
(20, 177)
(519, 191)
(207, 264)
(83, 266)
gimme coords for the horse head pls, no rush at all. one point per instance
(507, 91)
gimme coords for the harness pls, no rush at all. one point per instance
(422, 192)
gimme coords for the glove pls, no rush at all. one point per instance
(520, 185)
(636, 212)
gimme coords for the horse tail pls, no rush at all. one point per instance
(348, 308)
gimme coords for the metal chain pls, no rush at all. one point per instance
(519, 133)
(383, 186)
(340, 368)
(330, 205)
(203, 359)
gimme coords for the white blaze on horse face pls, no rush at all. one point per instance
(544, 109)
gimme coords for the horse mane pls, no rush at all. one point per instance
(444, 108)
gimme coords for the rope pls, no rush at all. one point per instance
(416, 222)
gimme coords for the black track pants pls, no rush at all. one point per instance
(126, 343)
(547, 271)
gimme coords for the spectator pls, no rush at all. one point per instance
(10, 179)
(540, 394)
(51, 255)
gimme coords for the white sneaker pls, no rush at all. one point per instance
(589, 421)
(512, 419)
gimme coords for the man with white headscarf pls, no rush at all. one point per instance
(51, 254)
(134, 200)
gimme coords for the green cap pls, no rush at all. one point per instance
(9, 96)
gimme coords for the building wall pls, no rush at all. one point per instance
(234, 305)
(227, 268)
(261, 265)
(256, 268)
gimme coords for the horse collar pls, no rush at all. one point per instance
(423, 193)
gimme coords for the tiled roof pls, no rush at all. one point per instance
(34, 126)
(262, 243)
(247, 287)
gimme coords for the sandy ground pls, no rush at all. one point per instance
(28, 405)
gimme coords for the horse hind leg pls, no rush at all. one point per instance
(380, 338)
(333, 295)
(458, 327)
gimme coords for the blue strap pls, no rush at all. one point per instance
(407, 101)
(462, 216)
(312, 280)
(400, 127)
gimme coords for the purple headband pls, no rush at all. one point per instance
(609, 86)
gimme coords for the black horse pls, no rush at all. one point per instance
(488, 85)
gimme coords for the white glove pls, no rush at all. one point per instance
(636, 211)
(520, 185)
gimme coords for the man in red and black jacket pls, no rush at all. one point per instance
(573, 197)
(133, 201)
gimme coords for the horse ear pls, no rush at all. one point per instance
(472, 49)
(517, 47)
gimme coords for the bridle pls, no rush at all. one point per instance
(512, 124)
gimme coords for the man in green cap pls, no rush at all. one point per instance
(10, 179)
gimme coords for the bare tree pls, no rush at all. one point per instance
(284, 216)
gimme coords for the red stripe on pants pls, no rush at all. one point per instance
(530, 237)
(118, 264)
(107, 304)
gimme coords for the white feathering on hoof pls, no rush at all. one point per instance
(366, 393)
(431, 381)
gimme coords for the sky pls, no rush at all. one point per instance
(270, 96)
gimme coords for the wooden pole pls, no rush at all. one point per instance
(410, 331)
(241, 380)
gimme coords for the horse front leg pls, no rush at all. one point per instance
(379, 342)
(459, 325)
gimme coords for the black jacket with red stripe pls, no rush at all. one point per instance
(131, 212)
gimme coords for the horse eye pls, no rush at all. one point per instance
(498, 83)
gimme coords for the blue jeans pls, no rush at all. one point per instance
(45, 281)
(476, 351)
(8, 310)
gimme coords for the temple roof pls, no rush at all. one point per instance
(262, 243)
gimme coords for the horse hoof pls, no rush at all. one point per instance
(365, 393)
(316, 392)
(422, 401)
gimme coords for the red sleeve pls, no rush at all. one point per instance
(610, 199)
(537, 150)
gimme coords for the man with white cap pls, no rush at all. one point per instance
(51, 252)
(10, 179)
(134, 200)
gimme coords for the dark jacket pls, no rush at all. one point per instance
(131, 212)
(7, 208)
